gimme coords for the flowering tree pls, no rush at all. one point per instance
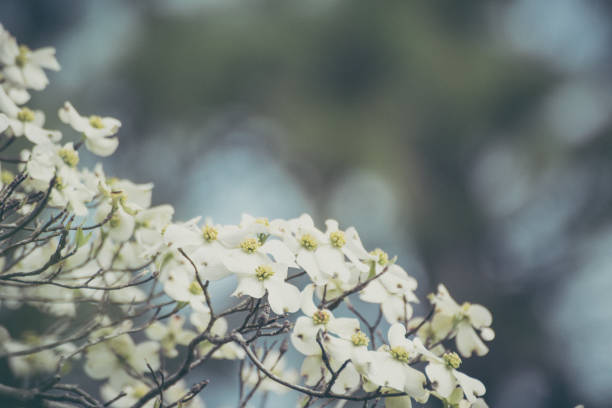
(131, 289)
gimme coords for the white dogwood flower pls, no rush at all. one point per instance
(347, 242)
(202, 246)
(98, 131)
(462, 322)
(107, 359)
(314, 369)
(304, 334)
(449, 383)
(41, 362)
(180, 284)
(121, 225)
(252, 238)
(391, 365)
(45, 158)
(17, 94)
(394, 291)
(23, 66)
(150, 223)
(257, 275)
(24, 121)
(353, 347)
(170, 335)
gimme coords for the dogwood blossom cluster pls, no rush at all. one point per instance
(134, 291)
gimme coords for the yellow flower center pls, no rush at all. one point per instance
(337, 239)
(401, 354)
(195, 288)
(320, 317)
(96, 122)
(263, 272)
(6, 176)
(115, 221)
(383, 257)
(25, 115)
(69, 156)
(22, 58)
(463, 313)
(309, 242)
(452, 360)
(210, 233)
(59, 183)
(263, 221)
(359, 339)
(249, 245)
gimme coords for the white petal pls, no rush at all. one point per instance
(303, 336)
(306, 303)
(101, 362)
(479, 316)
(7, 105)
(354, 243)
(332, 225)
(19, 96)
(467, 341)
(214, 271)
(35, 77)
(124, 228)
(280, 252)
(14, 74)
(472, 387)
(68, 114)
(442, 324)
(250, 286)
(241, 263)
(487, 334)
(442, 378)
(156, 331)
(395, 310)
(396, 335)
(347, 381)
(343, 326)
(39, 170)
(102, 146)
(313, 369)
(200, 319)
(306, 260)
(387, 372)
(330, 259)
(283, 297)
(374, 292)
(36, 134)
(146, 352)
(45, 57)
(179, 235)
(415, 384)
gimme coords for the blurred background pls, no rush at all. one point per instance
(469, 138)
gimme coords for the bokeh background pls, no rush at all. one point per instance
(472, 139)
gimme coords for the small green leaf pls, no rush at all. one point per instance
(82, 238)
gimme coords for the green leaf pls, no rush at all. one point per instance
(81, 237)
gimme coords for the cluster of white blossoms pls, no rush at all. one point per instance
(134, 289)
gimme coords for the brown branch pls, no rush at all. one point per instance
(304, 390)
